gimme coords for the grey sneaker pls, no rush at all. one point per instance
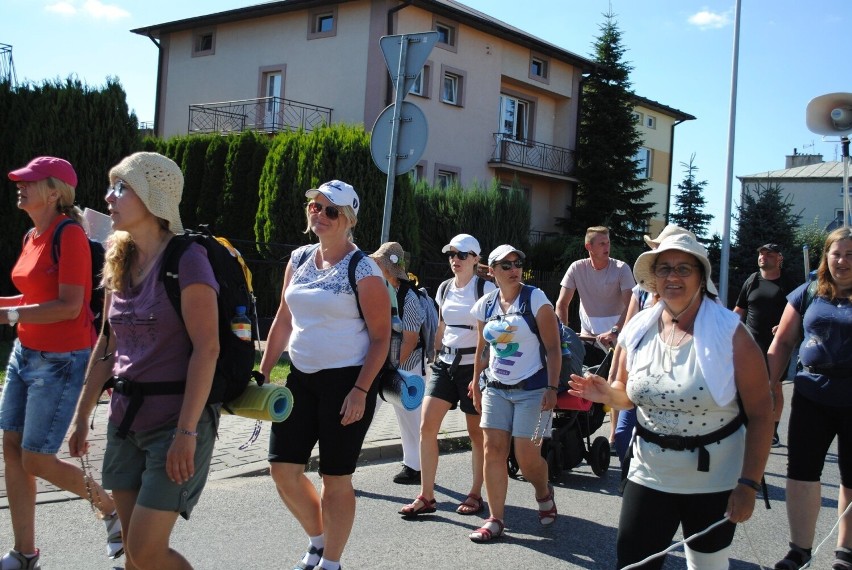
(776, 441)
(14, 560)
(115, 543)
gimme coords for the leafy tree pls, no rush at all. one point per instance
(765, 216)
(610, 191)
(690, 202)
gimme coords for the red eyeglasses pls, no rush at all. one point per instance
(331, 212)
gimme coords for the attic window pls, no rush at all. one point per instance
(322, 22)
(203, 42)
(447, 34)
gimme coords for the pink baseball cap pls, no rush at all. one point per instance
(43, 167)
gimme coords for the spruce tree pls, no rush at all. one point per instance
(690, 202)
(610, 191)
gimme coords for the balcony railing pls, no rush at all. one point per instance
(533, 155)
(266, 114)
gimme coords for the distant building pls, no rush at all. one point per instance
(814, 186)
(500, 103)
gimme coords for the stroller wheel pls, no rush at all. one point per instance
(599, 456)
(554, 461)
(512, 465)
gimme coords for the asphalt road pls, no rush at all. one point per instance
(241, 523)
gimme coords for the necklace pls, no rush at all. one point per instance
(671, 344)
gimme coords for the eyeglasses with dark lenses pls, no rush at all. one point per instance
(682, 270)
(507, 265)
(117, 189)
(462, 255)
(331, 212)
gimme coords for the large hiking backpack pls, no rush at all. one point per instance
(429, 327)
(573, 351)
(234, 367)
(96, 250)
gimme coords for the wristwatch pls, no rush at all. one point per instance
(614, 330)
(13, 316)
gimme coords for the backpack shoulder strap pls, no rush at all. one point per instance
(306, 255)
(357, 256)
(490, 303)
(169, 271)
(480, 286)
(808, 297)
(525, 305)
(401, 293)
(57, 237)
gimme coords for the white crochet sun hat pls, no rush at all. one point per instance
(158, 182)
(643, 269)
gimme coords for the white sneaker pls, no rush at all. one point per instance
(115, 544)
(14, 560)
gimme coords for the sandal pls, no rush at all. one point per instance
(312, 551)
(411, 511)
(842, 559)
(471, 505)
(794, 559)
(485, 534)
(547, 516)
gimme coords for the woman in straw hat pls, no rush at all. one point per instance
(684, 365)
(337, 343)
(158, 455)
(517, 389)
(822, 397)
(48, 360)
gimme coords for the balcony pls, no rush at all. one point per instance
(532, 155)
(266, 114)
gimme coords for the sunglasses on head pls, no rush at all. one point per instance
(507, 265)
(331, 212)
(462, 255)
(117, 189)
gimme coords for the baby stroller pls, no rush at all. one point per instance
(574, 422)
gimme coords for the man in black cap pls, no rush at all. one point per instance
(760, 305)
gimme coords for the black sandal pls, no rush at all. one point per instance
(302, 566)
(842, 560)
(794, 559)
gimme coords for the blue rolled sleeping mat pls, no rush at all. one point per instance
(402, 389)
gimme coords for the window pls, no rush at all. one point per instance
(650, 122)
(643, 163)
(446, 176)
(638, 117)
(514, 117)
(322, 22)
(203, 43)
(447, 34)
(418, 173)
(452, 86)
(420, 86)
(539, 68)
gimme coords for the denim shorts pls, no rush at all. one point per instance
(40, 395)
(515, 411)
(138, 462)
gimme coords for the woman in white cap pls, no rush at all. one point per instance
(390, 258)
(48, 360)
(696, 378)
(452, 372)
(517, 389)
(338, 341)
(158, 468)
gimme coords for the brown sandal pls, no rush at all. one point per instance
(485, 534)
(471, 505)
(547, 516)
(412, 510)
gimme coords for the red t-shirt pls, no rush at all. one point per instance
(38, 278)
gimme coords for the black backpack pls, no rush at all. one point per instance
(96, 249)
(235, 365)
(443, 288)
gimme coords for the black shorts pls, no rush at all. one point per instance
(452, 389)
(811, 430)
(317, 399)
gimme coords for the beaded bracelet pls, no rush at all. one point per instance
(186, 432)
(749, 483)
(357, 387)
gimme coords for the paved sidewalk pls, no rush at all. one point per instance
(382, 442)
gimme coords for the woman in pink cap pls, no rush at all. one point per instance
(47, 365)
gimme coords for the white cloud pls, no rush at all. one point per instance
(99, 10)
(65, 8)
(707, 19)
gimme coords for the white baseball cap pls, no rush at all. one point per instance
(463, 242)
(338, 192)
(501, 251)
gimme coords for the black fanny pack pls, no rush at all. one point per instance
(692, 442)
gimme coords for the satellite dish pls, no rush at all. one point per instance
(830, 114)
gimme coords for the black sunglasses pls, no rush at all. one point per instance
(331, 212)
(507, 265)
(462, 255)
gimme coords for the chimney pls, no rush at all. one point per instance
(794, 160)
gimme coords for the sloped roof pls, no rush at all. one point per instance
(831, 169)
(665, 109)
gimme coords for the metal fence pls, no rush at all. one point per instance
(266, 114)
(532, 154)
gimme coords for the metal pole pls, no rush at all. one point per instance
(807, 261)
(726, 232)
(398, 82)
(844, 145)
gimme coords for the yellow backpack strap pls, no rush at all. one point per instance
(236, 253)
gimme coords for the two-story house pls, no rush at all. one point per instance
(499, 102)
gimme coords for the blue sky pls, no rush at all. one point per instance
(681, 51)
